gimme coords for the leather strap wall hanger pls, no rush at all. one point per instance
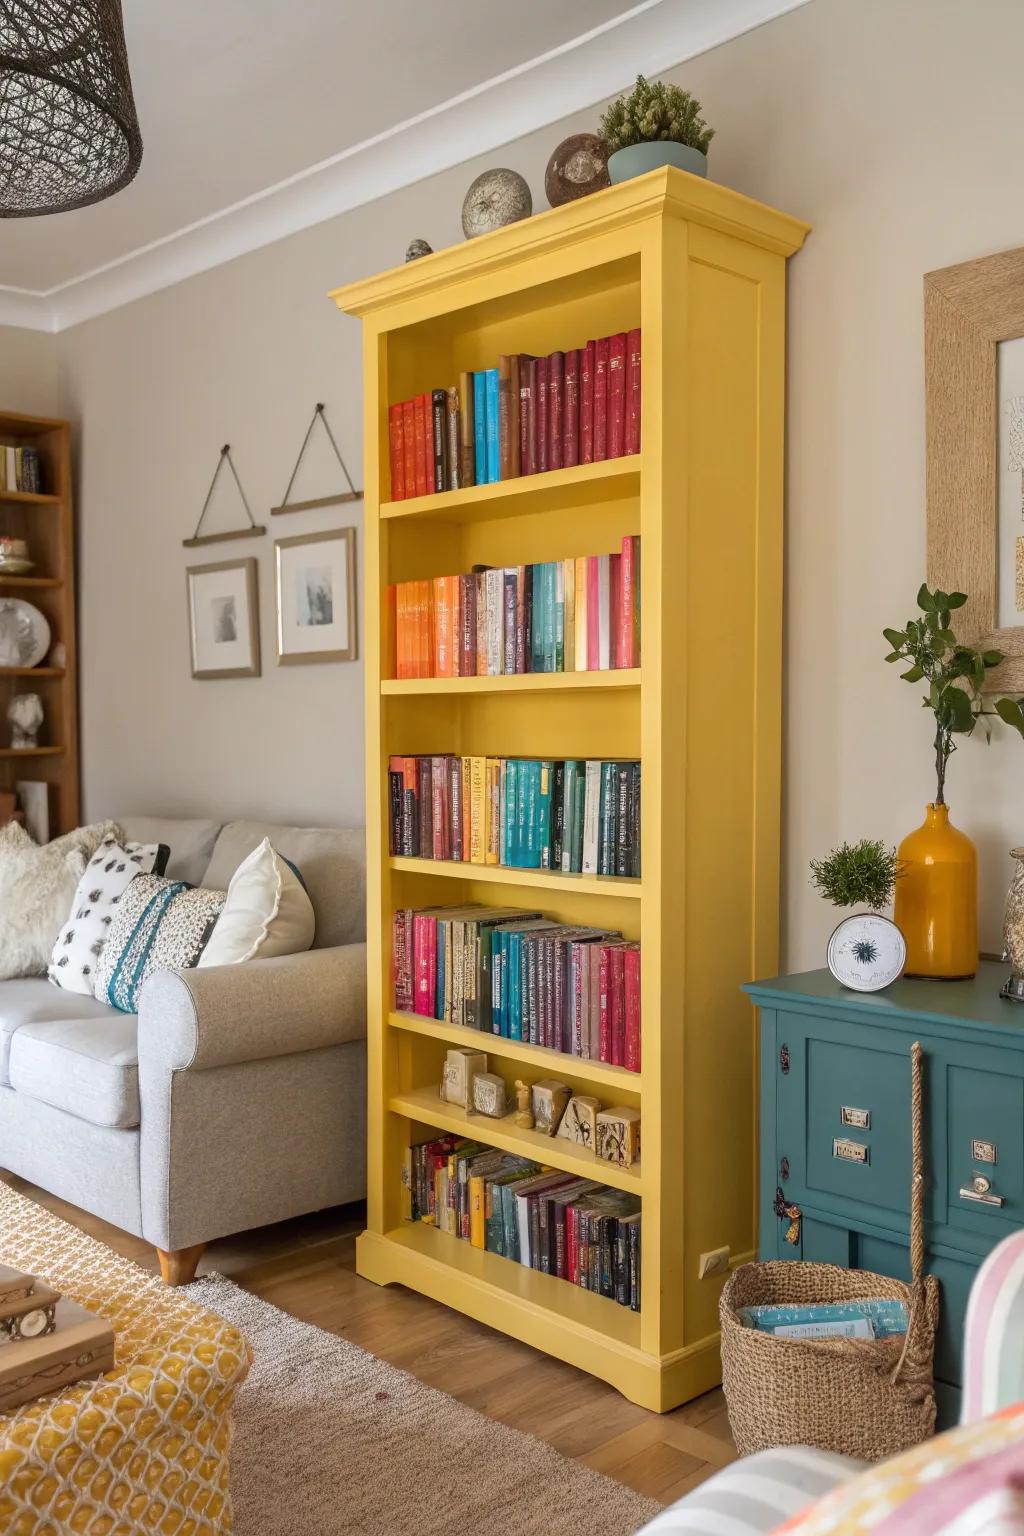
(320, 501)
(253, 530)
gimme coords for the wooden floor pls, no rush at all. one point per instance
(307, 1267)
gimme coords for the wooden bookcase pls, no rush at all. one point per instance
(46, 522)
(702, 271)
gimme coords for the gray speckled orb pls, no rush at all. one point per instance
(417, 248)
(495, 198)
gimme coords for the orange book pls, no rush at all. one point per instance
(388, 649)
(443, 621)
(401, 630)
(467, 809)
(481, 624)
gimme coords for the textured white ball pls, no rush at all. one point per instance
(494, 199)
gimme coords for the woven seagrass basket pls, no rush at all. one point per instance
(861, 1397)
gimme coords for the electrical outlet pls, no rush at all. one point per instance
(714, 1263)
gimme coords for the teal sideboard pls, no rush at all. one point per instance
(835, 1130)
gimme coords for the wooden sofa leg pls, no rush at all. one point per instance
(179, 1266)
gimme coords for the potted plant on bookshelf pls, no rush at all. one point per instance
(655, 125)
(937, 898)
(866, 951)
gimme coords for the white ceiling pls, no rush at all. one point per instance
(260, 117)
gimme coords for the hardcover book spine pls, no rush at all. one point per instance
(605, 1047)
(616, 394)
(402, 952)
(606, 837)
(467, 441)
(480, 427)
(439, 808)
(591, 816)
(439, 419)
(580, 614)
(603, 613)
(593, 614)
(424, 972)
(571, 410)
(396, 445)
(522, 642)
(601, 399)
(541, 392)
(467, 820)
(477, 810)
(425, 801)
(495, 582)
(509, 581)
(467, 605)
(569, 615)
(623, 851)
(442, 628)
(421, 445)
(515, 433)
(569, 790)
(527, 419)
(634, 817)
(409, 446)
(617, 1005)
(480, 598)
(410, 824)
(455, 807)
(631, 431)
(395, 811)
(543, 833)
(587, 357)
(428, 429)
(493, 461)
(631, 989)
(453, 450)
(634, 1266)
(614, 604)
(505, 416)
(557, 815)
(556, 408)
(626, 639)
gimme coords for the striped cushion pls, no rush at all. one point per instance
(750, 1497)
(994, 1333)
(967, 1482)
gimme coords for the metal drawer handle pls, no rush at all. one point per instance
(980, 1191)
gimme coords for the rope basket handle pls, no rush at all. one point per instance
(917, 1297)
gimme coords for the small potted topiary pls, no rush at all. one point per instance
(866, 952)
(655, 125)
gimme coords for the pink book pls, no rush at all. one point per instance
(594, 999)
(424, 932)
(556, 408)
(601, 399)
(593, 613)
(631, 989)
(541, 387)
(617, 1005)
(571, 410)
(616, 393)
(626, 647)
(604, 1002)
(587, 403)
(614, 605)
(631, 432)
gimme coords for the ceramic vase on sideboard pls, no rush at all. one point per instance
(936, 906)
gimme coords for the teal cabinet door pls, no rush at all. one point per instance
(984, 1165)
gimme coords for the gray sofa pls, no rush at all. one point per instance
(236, 1096)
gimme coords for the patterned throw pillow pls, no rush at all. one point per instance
(967, 1482)
(107, 875)
(161, 925)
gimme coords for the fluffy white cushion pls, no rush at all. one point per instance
(37, 887)
(107, 876)
(267, 912)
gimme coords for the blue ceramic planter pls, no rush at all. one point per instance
(624, 164)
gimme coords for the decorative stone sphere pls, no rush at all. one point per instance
(417, 248)
(494, 199)
(578, 166)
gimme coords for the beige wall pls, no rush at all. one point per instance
(28, 372)
(892, 126)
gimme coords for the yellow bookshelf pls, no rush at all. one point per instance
(702, 271)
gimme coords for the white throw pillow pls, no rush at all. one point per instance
(37, 887)
(107, 876)
(267, 912)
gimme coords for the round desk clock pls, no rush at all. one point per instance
(866, 952)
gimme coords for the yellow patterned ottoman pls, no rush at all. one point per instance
(144, 1448)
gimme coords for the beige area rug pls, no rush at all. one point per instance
(330, 1441)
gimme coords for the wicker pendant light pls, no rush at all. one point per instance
(68, 130)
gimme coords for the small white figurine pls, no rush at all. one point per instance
(25, 714)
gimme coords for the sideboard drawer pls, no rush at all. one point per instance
(985, 1115)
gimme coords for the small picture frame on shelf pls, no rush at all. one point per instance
(223, 619)
(316, 597)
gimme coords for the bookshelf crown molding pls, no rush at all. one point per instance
(652, 36)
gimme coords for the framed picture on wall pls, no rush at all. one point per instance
(223, 619)
(316, 597)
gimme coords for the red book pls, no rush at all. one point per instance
(593, 613)
(525, 387)
(428, 427)
(467, 605)
(616, 394)
(605, 1001)
(631, 990)
(529, 368)
(626, 647)
(540, 389)
(617, 1004)
(614, 605)
(631, 432)
(420, 407)
(571, 410)
(402, 960)
(601, 399)
(587, 358)
(455, 807)
(556, 408)
(396, 446)
(425, 963)
(409, 445)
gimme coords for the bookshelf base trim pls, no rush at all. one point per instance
(414, 1255)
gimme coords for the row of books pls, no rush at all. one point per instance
(520, 976)
(577, 615)
(528, 415)
(579, 816)
(576, 1229)
(19, 469)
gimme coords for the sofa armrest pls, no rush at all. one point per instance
(223, 1014)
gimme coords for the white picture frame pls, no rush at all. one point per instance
(316, 597)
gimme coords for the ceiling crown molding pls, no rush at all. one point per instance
(648, 39)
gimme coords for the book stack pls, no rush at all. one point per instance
(520, 976)
(579, 816)
(579, 615)
(576, 1229)
(19, 469)
(527, 415)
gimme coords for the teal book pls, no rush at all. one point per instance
(559, 570)
(493, 461)
(551, 617)
(522, 812)
(480, 427)
(606, 819)
(530, 849)
(547, 779)
(508, 829)
(537, 618)
(568, 796)
(579, 801)
(439, 978)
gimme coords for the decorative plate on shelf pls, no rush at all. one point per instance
(24, 633)
(16, 566)
(866, 952)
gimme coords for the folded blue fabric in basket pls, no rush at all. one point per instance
(885, 1318)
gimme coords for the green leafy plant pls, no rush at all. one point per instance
(857, 874)
(653, 112)
(954, 672)
(1011, 711)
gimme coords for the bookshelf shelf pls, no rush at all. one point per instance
(424, 1106)
(12, 752)
(32, 498)
(40, 583)
(32, 672)
(527, 682)
(546, 1063)
(580, 486)
(688, 263)
(535, 879)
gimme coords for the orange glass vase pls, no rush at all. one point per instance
(936, 906)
